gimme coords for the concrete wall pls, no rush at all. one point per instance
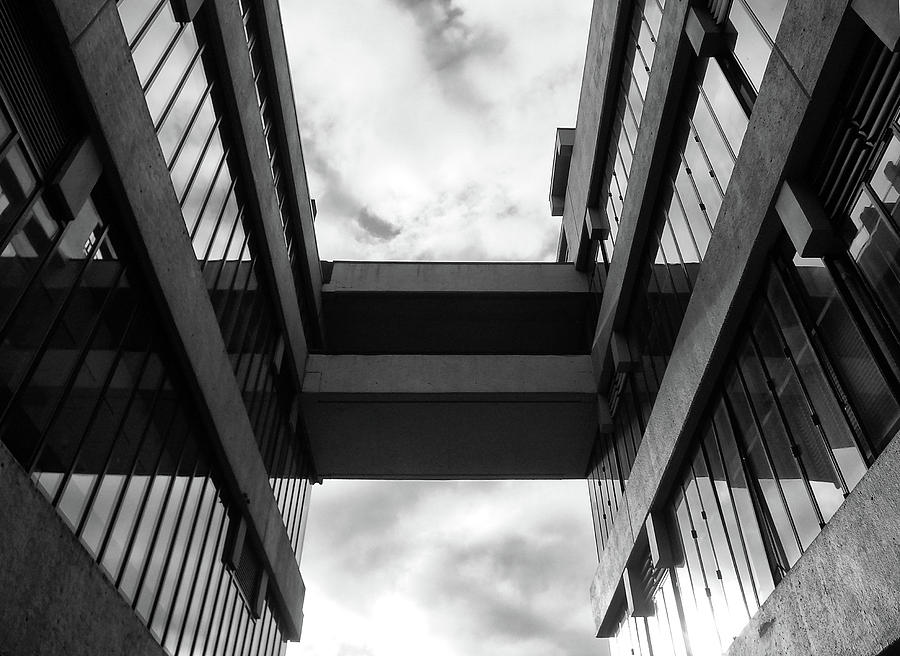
(55, 598)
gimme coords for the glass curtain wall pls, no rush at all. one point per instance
(714, 117)
(803, 410)
(811, 395)
(183, 99)
(92, 406)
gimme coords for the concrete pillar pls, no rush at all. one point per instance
(238, 88)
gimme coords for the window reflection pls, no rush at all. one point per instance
(756, 23)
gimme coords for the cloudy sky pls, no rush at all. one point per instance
(428, 125)
(428, 129)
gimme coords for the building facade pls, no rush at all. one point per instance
(731, 185)
(157, 309)
(717, 350)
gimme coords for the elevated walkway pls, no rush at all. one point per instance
(462, 308)
(452, 371)
(450, 416)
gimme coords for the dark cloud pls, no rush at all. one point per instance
(518, 588)
(450, 38)
(376, 226)
(450, 41)
(338, 198)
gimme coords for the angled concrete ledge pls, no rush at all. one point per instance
(46, 577)
(450, 417)
(842, 596)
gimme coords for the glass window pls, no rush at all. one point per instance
(739, 511)
(761, 468)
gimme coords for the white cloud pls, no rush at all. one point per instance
(428, 128)
(448, 568)
(437, 117)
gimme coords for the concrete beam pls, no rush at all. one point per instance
(134, 166)
(450, 417)
(281, 99)
(796, 92)
(55, 598)
(236, 83)
(599, 91)
(456, 277)
(438, 308)
(651, 158)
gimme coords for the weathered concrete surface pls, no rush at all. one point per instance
(133, 160)
(651, 159)
(842, 596)
(784, 123)
(608, 571)
(450, 417)
(604, 48)
(437, 308)
(236, 84)
(433, 277)
(55, 599)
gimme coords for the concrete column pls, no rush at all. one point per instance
(651, 158)
(599, 93)
(97, 50)
(281, 99)
(227, 32)
(795, 95)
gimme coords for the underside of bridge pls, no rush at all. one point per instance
(453, 371)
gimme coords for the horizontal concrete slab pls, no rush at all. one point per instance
(459, 308)
(450, 417)
(505, 277)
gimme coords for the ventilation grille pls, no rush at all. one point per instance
(857, 124)
(34, 91)
(248, 574)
